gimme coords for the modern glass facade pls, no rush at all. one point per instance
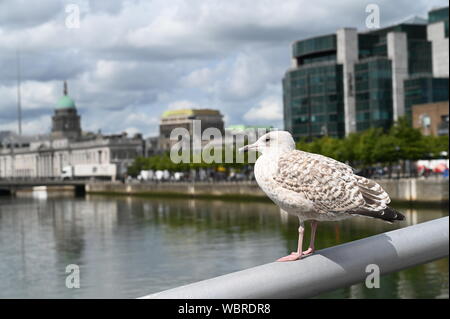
(314, 46)
(313, 92)
(316, 97)
(373, 93)
(316, 102)
(421, 87)
(373, 73)
(370, 45)
(419, 48)
(424, 89)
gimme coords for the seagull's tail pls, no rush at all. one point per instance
(388, 214)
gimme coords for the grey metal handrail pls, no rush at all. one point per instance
(328, 269)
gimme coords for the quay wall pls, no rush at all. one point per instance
(420, 190)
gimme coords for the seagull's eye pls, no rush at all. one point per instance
(267, 139)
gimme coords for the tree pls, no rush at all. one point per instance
(362, 149)
(385, 150)
(366, 144)
(331, 147)
(435, 146)
(303, 145)
(348, 148)
(411, 143)
(138, 165)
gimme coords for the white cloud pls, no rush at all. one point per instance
(131, 60)
(37, 94)
(268, 110)
(35, 126)
(248, 77)
(141, 118)
(200, 78)
(132, 130)
(183, 104)
(34, 95)
(20, 14)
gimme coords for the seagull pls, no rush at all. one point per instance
(314, 187)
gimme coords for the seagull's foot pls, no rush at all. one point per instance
(296, 256)
(308, 252)
(291, 257)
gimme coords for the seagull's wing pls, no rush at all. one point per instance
(330, 185)
(374, 195)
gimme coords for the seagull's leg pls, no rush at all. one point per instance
(311, 249)
(298, 254)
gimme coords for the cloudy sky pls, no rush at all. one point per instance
(128, 61)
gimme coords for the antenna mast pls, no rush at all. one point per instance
(19, 106)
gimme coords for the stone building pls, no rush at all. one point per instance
(66, 121)
(431, 118)
(171, 120)
(44, 156)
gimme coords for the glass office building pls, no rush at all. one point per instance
(424, 89)
(374, 72)
(439, 15)
(425, 86)
(373, 93)
(314, 90)
(349, 81)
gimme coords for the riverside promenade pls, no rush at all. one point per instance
(408, 189)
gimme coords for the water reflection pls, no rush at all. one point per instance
(128, 247)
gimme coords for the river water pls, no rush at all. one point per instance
(130, 247)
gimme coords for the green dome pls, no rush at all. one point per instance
(65, 103)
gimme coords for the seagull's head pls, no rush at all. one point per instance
(275, 141)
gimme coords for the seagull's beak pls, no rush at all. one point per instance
(247, 148)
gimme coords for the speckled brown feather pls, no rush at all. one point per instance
(330, 185)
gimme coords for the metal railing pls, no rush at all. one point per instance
(328, 269)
